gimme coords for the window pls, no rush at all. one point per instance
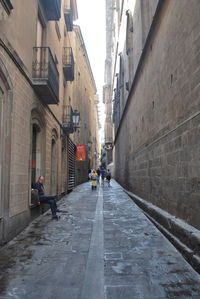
(37, 145)
(36, 154)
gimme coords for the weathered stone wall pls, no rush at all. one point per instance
(84, 90)
(32, 142)
(158, 147)
(17, 197)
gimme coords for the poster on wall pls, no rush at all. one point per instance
(81, 152)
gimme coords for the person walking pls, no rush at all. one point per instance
(108, 177)
(98, 173)
(94, 177)
(89, 174)
(49, 199)
(103, 174)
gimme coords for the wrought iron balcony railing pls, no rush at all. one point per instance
(67, 125)
(68, 63)
(45, 75)
(68, 13)
(71, 120)
(67, 114)
(52, 9)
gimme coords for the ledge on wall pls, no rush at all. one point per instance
(183, 236)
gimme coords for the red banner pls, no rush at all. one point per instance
(80, 152)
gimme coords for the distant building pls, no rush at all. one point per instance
(45, 80)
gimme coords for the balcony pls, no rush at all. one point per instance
(68, 64)
(68, 13)
(45, 75)
(71, 120)
(52, 9)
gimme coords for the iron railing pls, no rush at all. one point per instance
(70, 120)
(67, 115)
(68, 63)
(44, 67)
(67, 125)
(45, 70)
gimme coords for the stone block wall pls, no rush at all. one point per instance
(157, 149)
(17, 197)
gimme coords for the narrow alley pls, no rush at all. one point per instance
(99, 90)
(102, 247)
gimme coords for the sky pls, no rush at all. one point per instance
(91, 19)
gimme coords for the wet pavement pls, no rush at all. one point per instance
(104, 247)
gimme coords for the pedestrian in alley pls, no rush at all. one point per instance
(94, 177)
(98, 173)
(103, 175)
(89, 174)
(49, 199)
(108, 177)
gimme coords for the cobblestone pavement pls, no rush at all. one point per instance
(103, 248)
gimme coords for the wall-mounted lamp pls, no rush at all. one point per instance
(108, 146)
(71, 125)
(75, 117)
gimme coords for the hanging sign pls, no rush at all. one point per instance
(80, 152)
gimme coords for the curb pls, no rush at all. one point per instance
(184, 237)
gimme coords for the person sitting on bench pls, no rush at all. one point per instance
(50, 199)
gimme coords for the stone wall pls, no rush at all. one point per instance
(32, 142)
(157, 149)
(16, 199)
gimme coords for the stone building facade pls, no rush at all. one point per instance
(40, 59)
(85, 100)
(107, 88)
(156, 109)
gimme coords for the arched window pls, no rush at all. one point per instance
(36, 154)
(37, 145)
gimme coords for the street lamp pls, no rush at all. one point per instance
(75, 118)
(72, 122)
(108, 145)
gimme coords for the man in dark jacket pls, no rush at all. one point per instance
(50, 199)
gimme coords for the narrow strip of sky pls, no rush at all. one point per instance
(91, 19)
